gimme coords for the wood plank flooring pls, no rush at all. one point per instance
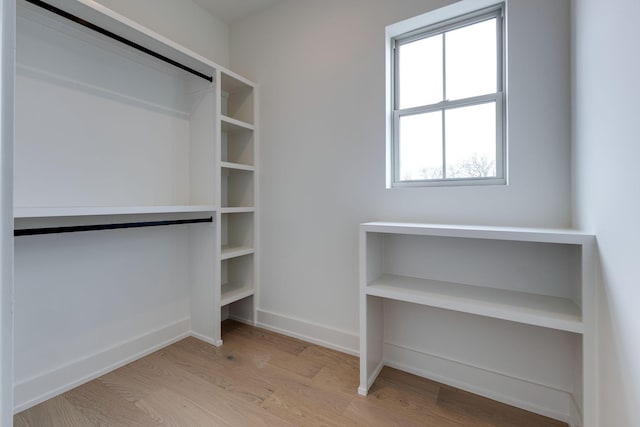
(259, 378)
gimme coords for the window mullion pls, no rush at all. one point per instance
(444, 145)
(444, 67)
(499, 54)
(492, 97)
(396, 146)
(396, 76)
(444, 99)
(500, 146)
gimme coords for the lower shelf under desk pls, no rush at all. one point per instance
(539, 310)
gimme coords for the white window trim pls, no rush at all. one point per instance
(416, 24)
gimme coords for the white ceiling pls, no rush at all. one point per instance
(234, 10)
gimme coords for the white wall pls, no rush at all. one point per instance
(184, 22)
(320, 67)
(606, 152)
(7, 40)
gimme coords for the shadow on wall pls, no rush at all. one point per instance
(615, 369)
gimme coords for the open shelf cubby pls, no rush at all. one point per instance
(237, 99)
(237, 231)
(237, 145)
(237, 279)
(237, 188)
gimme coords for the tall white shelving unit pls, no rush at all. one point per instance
(238, 196)
(542, 278)
(106, 134)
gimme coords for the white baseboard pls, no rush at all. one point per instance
(41, 387)
(206, 339)
(575, 416)
(325, 336)
(518, 392)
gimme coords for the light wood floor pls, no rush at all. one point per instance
(258, 378)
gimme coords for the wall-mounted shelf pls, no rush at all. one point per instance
(52, 212)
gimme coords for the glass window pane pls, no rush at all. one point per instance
(420, 146)
(471, 60)
(420, 72)
(470, 141)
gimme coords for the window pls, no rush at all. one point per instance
(447, 102)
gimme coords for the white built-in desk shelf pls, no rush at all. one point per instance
(537, 281)
(519, 234)
(540, 310)
(54, 212)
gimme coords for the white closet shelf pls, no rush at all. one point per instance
(238, 166)
(235, 251)
(237, 210)
(52, 212)
(539, 310)
(229, 124)
(232, 292)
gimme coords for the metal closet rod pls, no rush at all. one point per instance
(96, 227)
(114, 36)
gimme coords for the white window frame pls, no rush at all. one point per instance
(442, 20)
